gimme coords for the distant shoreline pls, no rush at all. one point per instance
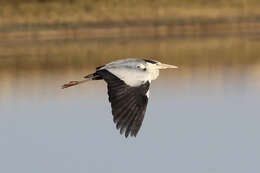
(139, 28)
(53, 12)
(127, 23)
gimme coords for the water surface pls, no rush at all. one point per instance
(203, 117)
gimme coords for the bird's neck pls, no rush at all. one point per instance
(154, 74)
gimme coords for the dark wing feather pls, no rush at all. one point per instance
(128, 103)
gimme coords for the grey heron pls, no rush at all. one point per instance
(128, 81)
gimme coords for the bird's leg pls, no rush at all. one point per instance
(72, 83)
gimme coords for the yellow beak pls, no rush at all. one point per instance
(164, 66)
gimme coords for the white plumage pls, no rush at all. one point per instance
(132, 71)
(128, 81)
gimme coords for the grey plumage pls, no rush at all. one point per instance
(128, 82)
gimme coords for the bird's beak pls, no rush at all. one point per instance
(164, 66)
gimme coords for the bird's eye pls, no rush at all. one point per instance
(142, 67)
(138, 66)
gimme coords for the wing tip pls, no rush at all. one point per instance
(123, 98)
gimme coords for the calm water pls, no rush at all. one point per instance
(201, 118)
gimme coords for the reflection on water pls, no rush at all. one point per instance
(203, 117)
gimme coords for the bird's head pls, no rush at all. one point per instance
(158, 65)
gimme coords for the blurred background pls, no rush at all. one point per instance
(201, 118)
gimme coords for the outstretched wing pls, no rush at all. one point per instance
(128, 103)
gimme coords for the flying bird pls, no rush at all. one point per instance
(128, 81)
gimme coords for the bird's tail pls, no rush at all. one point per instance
(93, 76)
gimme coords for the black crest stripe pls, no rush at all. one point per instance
(150, 61)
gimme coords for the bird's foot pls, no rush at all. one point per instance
(71, 83)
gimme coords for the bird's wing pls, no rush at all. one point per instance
(128, 103)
